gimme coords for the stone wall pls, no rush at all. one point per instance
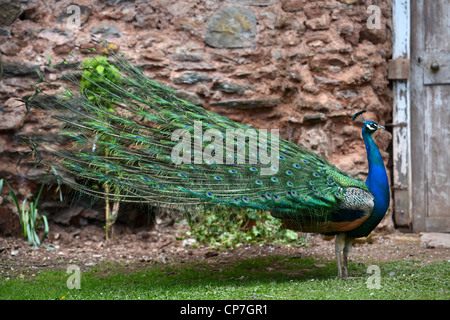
(302, 66)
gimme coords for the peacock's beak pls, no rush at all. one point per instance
(381, 127)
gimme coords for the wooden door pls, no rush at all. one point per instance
(430, 116)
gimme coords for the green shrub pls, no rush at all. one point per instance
(231, 227)
(98, 77)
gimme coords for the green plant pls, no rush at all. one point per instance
(29, 218)
(225, 227)
(97, 79)
(97, 71)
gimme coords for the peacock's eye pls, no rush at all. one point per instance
(371, 126)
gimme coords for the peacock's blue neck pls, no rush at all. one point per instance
(378, 184)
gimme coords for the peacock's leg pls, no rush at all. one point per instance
(339, 244)
(347, 250)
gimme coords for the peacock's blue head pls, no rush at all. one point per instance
(371, 126)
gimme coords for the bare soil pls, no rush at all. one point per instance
(86, 247)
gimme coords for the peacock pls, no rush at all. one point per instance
(136, 136)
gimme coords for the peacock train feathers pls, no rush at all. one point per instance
(149, 146)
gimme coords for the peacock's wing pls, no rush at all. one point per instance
(151, 146)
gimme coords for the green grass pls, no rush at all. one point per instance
(271, 278)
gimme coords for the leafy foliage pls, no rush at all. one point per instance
(231, 227)
(97, 79)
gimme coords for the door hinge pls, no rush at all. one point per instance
(398, 124)
(398, 69)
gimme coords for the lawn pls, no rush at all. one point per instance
(272, 278)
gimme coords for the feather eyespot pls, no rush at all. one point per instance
(258, 182)
(273, 179)
(289, 183)
(245, 199)
(288, 172)
(296, 165)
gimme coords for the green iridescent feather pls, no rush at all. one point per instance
(123, 125)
